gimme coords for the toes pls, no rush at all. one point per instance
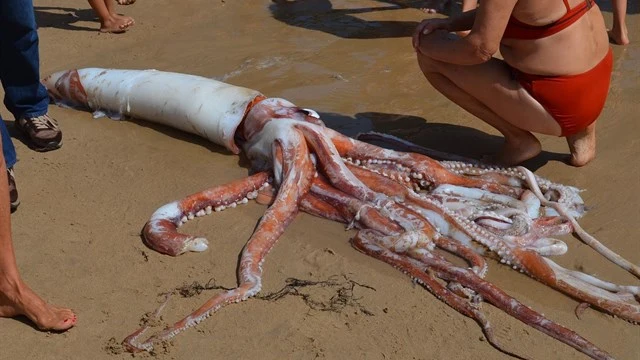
(127, 23)
(68, 320)
(60, 320)
(118, 25)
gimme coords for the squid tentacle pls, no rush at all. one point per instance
(358, 211)
(388, 169)
(532, 263)
(131, 342)
(334, 168)
(298, 175)
(421, 273)
(586, 237)
(423, 166)
(368, 177)
(514, 177)
(615, 299)
(517, 176)
(160, 232)
(369, 243)
(314, 205)
(525, 260)
(451, 223)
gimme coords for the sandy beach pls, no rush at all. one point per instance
(77, 232)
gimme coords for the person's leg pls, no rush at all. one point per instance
(108, 22)
(111, 7)
(20, 66)
(618, 32)
(25, 97)
(16, 298)
(583, 146)
(489, 92)
(8, 150)
(10, 158)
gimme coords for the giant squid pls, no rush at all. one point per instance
(406, 207)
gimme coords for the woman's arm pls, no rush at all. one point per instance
(463, 21)
(488, 24)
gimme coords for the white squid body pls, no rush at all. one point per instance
(194, 104)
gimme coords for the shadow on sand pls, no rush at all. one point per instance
(321, 16)
(454, 139)
(449, 138)
(65, 18)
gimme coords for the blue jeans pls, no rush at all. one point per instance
(9, 152)
(24, 96)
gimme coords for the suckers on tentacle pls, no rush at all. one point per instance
(160, 233)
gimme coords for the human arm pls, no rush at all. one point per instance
(487, 24)
(463, 21)
(458, 23)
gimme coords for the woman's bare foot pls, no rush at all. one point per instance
(18, 299)
(582, 146)
(128, 19)
(619, 35)
(125, 2)
(116, 24)
(517, 150)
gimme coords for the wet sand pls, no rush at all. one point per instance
(77, 232)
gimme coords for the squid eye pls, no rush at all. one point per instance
(311, 113)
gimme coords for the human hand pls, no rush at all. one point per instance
(428, 26)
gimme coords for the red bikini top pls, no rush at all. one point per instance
(516, 29)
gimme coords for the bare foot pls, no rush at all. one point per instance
(619, 35)
(517, 150)
(116, 24)
(583, 146)
(125, 2)
(435, 6)
(128, 19)
(19, 299)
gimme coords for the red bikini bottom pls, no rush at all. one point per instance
(574, 101)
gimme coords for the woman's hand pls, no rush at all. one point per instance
(428, 26)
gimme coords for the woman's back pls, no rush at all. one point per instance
(555, 37)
